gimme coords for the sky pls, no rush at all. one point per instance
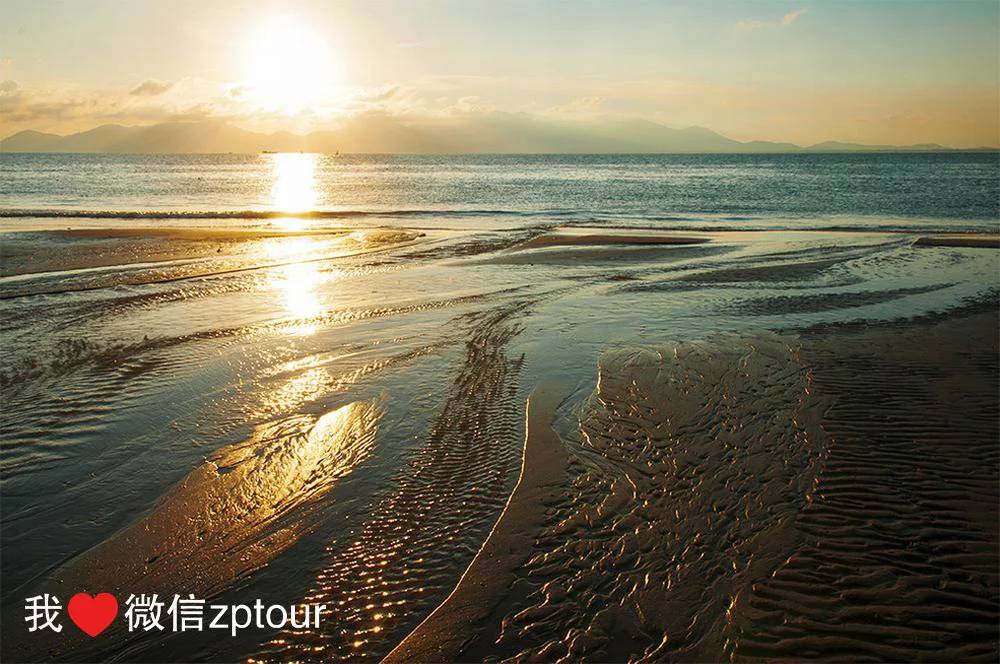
(804, 72)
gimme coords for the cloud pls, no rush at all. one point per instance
(198, 112)
(382, 94)
(390, 97)
(791, 16)
(11, 99)
(19, 105)
(236, 91)
(744, 109)
(151, 88)
(588, 105)
(759, 24)
(68, 108)
(469, 104)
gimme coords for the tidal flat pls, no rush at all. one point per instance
(486, 442)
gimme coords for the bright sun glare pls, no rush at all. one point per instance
(293, 187)
(289, 66)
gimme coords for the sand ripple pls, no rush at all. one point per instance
(900, 557)
(684, 484)
(756, 498)
(384, 578)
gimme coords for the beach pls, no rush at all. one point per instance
(481, 412)
(485, 442)
(810, 524)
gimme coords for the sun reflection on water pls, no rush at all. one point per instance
(293, 187)
(296, 283)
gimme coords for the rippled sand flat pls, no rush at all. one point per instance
(687, 473)
(750, 499)
(901, 550)
(491, 443)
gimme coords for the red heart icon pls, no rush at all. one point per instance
(92, 614)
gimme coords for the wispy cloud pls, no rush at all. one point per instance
(378, 95)
(60, 105)
(151, 88)
(236, 90)
(743, 109)
(19, 105)
(759, 24)
(792, 16)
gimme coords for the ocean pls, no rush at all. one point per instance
(959, 190)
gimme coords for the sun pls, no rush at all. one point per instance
(289, 66)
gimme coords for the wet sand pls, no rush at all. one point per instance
(443, 635)
(570, 239)
(76, 249)
(751, 447)
(900, 559)
(960, 240)
(98, 256)
(238, 500)
(754, 498)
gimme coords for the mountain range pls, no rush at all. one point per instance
(379, 133)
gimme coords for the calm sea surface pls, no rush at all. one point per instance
(954, 190)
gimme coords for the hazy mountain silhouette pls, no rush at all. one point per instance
(380, 133)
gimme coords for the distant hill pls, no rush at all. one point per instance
(378, 133)
(836, 146)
